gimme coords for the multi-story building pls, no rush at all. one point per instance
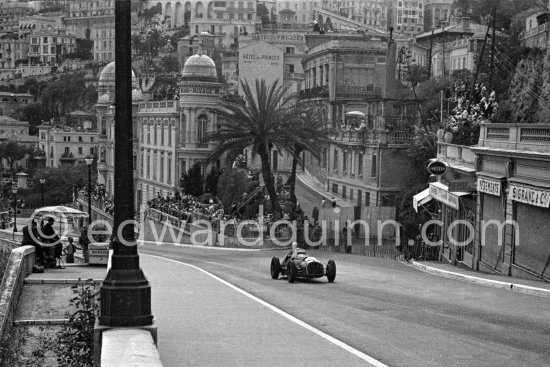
(11, 13)
(50, 45)
(171, 132)
(13, 47)
(295, 14)
(67, 145)
(9, 125)
(350, 81)
(103, 35)
(273, 56)
(406, 17)
(228, 18)
(501, 188)
(105, 114)
(9, 102)
(437, 13)
(12, 130)
(94, 20)
(454, 47)
(207, 43)
(36, 22)
(373, 13)
(535, 32)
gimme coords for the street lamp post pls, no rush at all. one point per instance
(125, 294)
(42, 182)
(89, 161)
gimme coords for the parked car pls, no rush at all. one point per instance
(301, 265)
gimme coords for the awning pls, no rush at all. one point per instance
(421, 198)
(440, 192)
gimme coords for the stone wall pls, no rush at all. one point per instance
(19, 267)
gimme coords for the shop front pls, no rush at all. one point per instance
(457, 231)
(492, 204)
(531, 247)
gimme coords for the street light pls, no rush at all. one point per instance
(89, 160)
(125, 294)
(14, 188)
(42, 181)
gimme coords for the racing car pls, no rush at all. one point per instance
(300, 265)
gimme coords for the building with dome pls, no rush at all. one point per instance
(170, 131)
(105, 114)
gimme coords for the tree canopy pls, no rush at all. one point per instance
(261, 124)
(13, 151)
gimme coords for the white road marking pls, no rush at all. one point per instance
(339, 343)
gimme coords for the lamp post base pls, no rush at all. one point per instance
(125, 295)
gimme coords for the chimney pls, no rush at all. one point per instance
(466, 23)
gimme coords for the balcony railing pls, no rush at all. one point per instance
(315, 92)
(373, 136)
(528, 137)
(534, 31)
(358, 91)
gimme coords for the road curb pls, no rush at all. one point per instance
(60, 281)
(218, 248)
(517, 288)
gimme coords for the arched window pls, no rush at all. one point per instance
(202, 126)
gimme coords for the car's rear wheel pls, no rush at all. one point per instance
(331, 271)
(291, 271)
(275, 267)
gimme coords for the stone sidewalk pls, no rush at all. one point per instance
(525, 286)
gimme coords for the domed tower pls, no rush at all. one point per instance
(106, 84)
(199, 90)
(199, 80)
(105, 113)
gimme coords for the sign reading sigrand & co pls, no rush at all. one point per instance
(529, 196)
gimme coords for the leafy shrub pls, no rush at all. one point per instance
(75, 342)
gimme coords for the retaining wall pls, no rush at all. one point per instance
(18, 268)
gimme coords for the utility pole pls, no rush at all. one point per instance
(430, 55)
(493, 45)
(443, 51)
(482, 52)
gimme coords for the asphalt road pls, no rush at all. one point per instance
(394, 313)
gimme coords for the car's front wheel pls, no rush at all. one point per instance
(275, 267)
(291, 271)
(331, 271)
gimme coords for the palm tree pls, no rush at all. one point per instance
(155, 40)
(309, 134)
(259, 124)
(137, 43)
